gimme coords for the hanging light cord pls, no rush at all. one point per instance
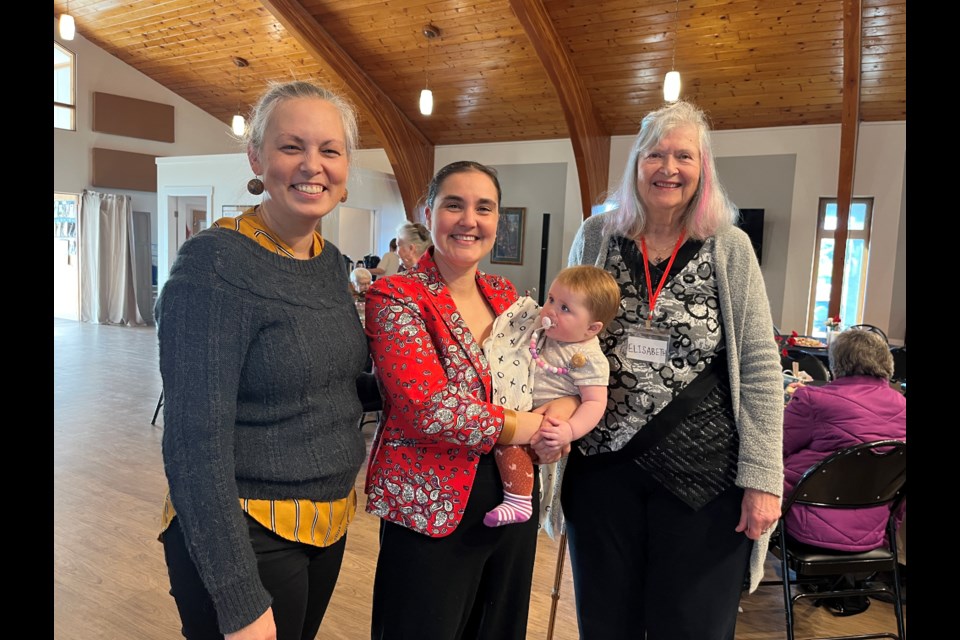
(676, 34)
(239, 92)
(426, 69)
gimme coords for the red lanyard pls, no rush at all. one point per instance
(653, 295)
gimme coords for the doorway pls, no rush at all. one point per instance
(356, 232)
(180, 211)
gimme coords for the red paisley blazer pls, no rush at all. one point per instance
(435, 382)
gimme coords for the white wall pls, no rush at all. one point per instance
(765, 182)
(898, 311)
(375, 190)
(539, 189)
(375, 159)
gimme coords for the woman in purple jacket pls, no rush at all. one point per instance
(858, 406)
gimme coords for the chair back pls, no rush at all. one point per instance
(899, 364)
(862, 475)
(872, 329)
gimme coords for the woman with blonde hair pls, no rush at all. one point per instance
(260, 347)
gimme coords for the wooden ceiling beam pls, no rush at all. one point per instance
(849, 130)
(591, 142)
(409, 151)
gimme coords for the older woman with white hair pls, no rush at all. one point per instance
(670, 500)
(858, 406)
(413, 240)
(360, 280)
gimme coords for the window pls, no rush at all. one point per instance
(64, 101)
(854, 266)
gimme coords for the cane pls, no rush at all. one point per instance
(555, 595)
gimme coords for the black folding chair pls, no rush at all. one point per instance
(157, 411)
(899, 364)
(873, 329)
(864, 475)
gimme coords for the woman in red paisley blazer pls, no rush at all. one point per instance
(442, 573)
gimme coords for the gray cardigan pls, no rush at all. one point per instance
(259, 355)
(756, 384)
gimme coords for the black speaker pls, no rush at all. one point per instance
(751, 221)
(544, 250)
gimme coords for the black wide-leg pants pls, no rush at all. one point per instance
(472, 584)
(644, 561)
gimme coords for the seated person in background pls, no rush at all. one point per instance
(360, 280)
(858, 406)
(565, 361)
(413, 240)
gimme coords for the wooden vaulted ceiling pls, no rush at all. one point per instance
(507, 70)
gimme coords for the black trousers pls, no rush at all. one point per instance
(645, 562)
(473, 583)
(300, 578)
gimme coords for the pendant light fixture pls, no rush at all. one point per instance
(68, 27)
(239, 125)
(426, 95)
(671, 83)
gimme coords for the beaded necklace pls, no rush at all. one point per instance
(543, 364)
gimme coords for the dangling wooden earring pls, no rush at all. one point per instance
(344, 198)
(255, 186)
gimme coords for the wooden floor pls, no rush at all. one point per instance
(109, 578)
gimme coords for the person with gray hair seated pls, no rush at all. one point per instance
(858, 406)
(413, 240)
(360, 280)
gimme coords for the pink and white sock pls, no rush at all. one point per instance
(513, 509)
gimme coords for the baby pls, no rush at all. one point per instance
(530, 369)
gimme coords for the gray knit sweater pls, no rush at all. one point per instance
(756, 384)
(259, 354)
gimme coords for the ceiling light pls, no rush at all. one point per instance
(671, 86)
(426, 95)
(239, 125)
(426, 102)
(68, 27)
(671, 83)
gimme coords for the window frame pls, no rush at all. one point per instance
(69, 107)
(852, 234)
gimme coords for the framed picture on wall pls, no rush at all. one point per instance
(508, 249)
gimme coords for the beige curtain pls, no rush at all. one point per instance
(107, 282)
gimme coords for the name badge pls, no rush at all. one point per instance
(651, 345)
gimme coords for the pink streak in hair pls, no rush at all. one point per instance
(705, 195)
